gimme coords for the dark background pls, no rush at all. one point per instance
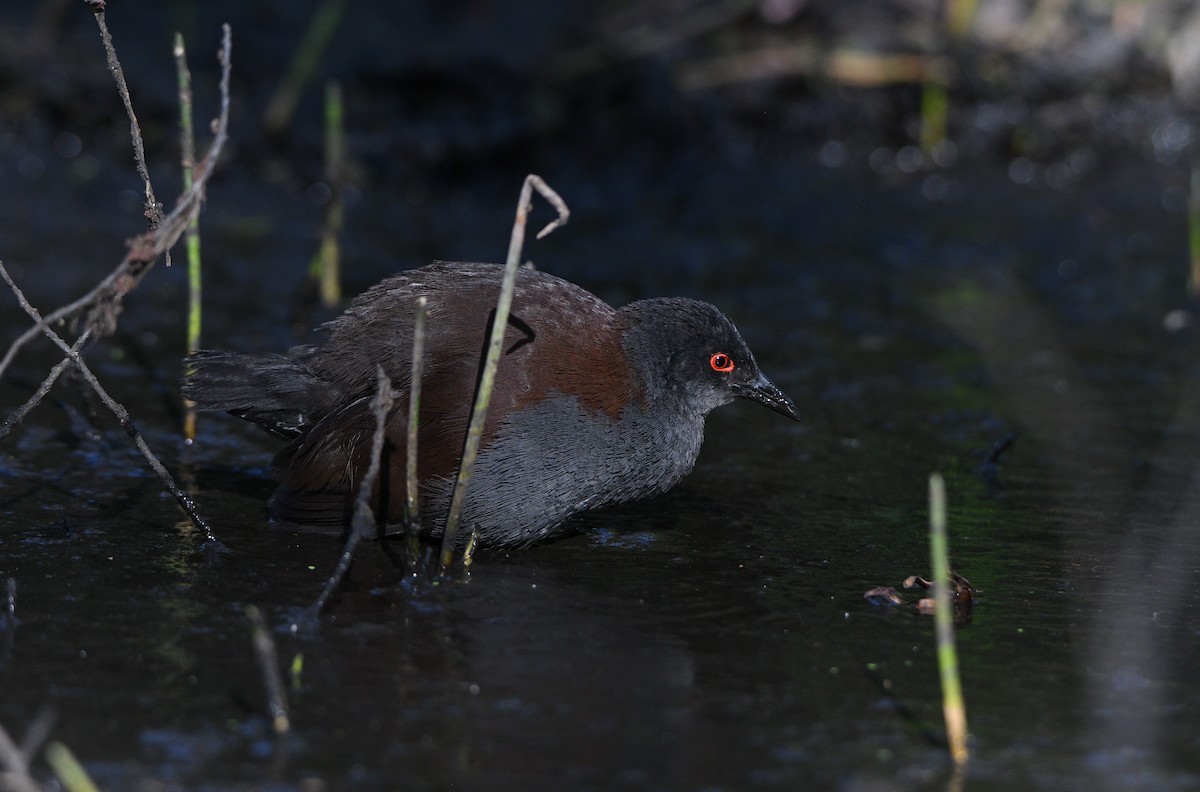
(1026, 277)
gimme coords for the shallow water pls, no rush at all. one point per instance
(713, 638)
(716, 637)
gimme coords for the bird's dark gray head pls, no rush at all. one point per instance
(689, 352)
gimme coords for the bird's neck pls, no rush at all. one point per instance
(666, 438)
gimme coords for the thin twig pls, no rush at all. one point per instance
(13, 760)
(364, 518)
(53, 318)
(19, 414)
(147, 247)
(268, 663)
(115, 407)
(412, 521)
(495, 343)
(38, 732)
(154, 210)
(381, 406)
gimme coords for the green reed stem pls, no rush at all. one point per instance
(68, 769)
(304, 64)
(325, 266)
(953, 708)
(187, 147)
(496, 341)
(935, 106)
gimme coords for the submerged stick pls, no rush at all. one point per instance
(187, 147)
(495, 344)
(184, 500)
(953, 707)
(412, 518)
(364, 518)
(268, 663)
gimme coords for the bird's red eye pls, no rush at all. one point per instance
(721, 362)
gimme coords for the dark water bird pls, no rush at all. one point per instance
(592, 406)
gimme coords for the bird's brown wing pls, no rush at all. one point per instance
(559, 340)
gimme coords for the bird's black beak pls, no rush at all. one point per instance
(764, 391)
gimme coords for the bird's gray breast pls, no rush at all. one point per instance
(555, 459)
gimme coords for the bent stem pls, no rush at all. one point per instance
(953, 708)
(487, 378)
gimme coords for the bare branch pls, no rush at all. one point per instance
(104, 301)
(115, 407)
(19, 414)
(154, 210)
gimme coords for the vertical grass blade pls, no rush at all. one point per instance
(935, 106)
(187, 148)
(321, 27)
(953, 708)
(487, 381)
(68, 769)
(326, 265)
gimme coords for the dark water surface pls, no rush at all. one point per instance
(716, 637)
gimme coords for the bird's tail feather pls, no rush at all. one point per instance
(277, 392)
